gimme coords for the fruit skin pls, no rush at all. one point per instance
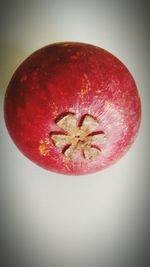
(71, 78)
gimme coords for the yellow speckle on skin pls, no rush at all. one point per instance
(43, 149)
(45, 141)
(86, 87)
(54, 108)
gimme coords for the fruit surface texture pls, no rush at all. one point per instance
(72, 108)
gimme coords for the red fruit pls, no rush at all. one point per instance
(72, 108)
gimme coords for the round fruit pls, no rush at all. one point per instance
(72, 108)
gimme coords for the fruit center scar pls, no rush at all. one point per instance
(78, 139)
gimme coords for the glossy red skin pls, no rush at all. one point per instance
(50, 82)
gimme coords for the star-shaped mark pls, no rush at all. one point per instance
(75, 139)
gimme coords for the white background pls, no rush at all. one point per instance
(94, 220)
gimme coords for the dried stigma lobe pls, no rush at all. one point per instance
(78, 140)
